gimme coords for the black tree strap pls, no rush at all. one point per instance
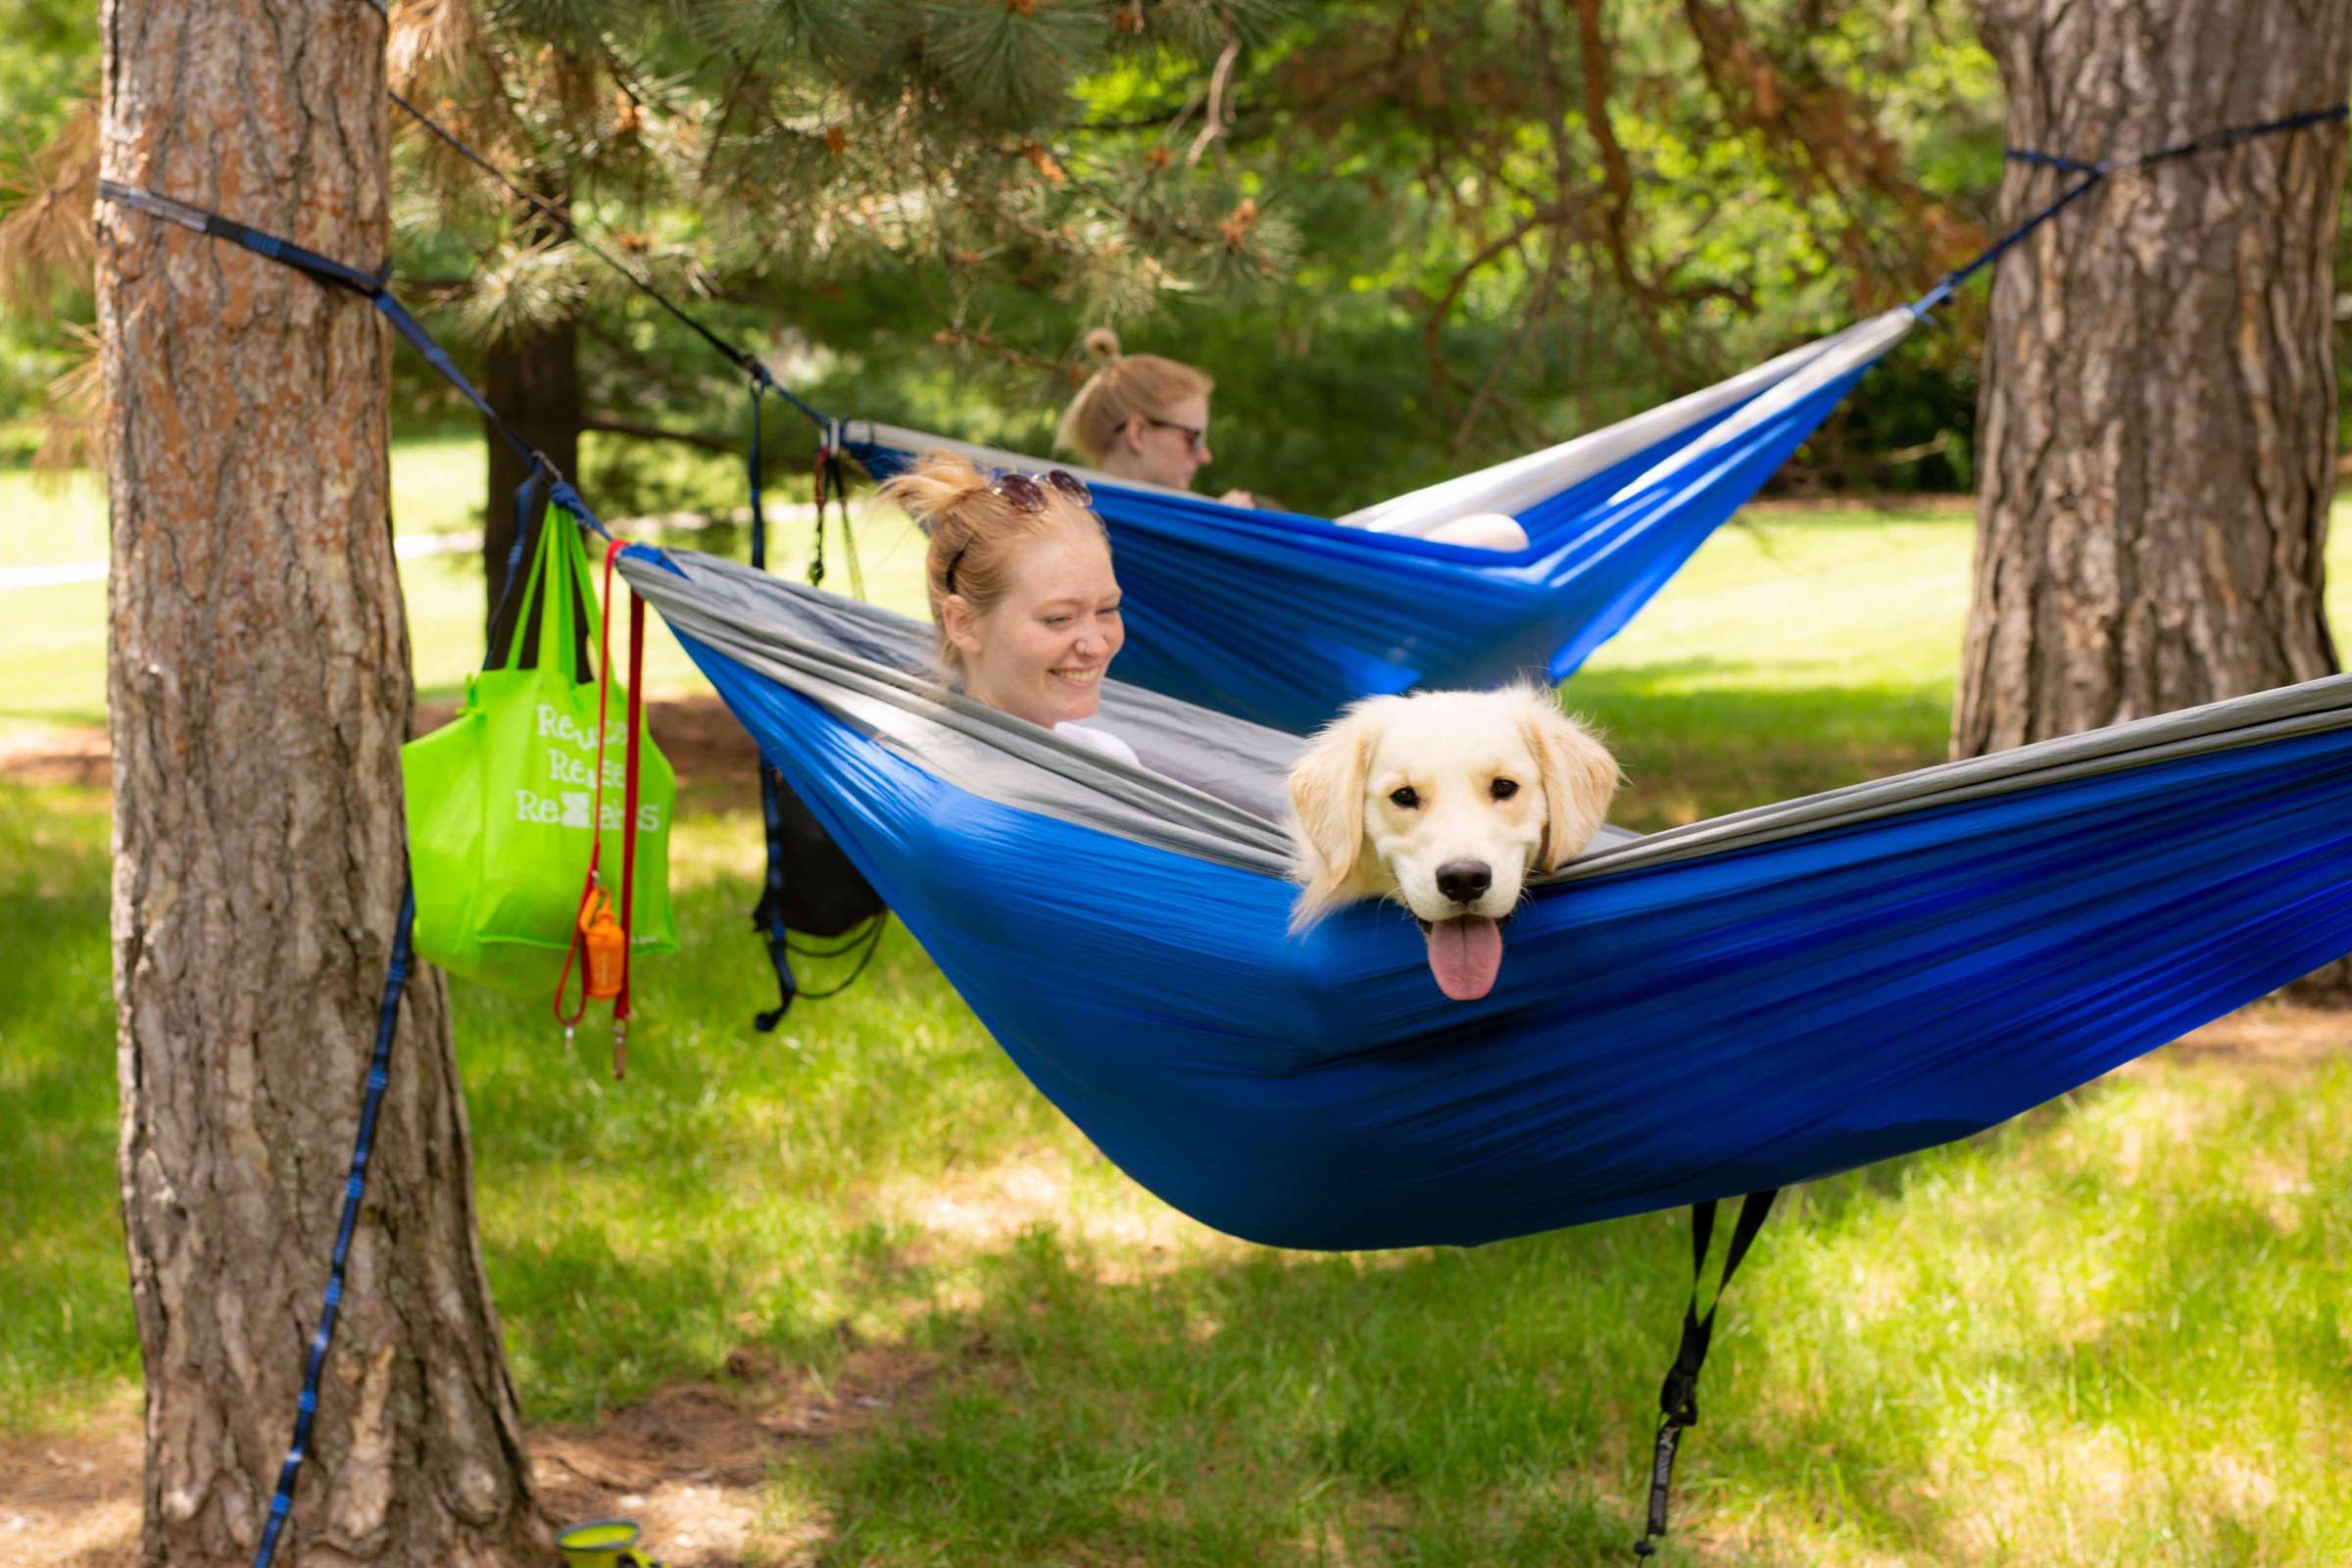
(372, 287)
(2211, 141)
(2095, 171)
(1678, 1400)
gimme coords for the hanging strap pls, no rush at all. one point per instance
(632, 749)
(767, 915)
(575, 951)
(354, 1191)
(748, 363)
(1678, 1400)
(828, 485)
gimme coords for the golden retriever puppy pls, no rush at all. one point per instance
(1444, 801)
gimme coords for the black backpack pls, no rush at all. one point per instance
(812, 889)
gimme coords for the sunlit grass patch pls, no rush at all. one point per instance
(67, 1345)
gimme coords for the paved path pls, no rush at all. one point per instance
(416, 544)
(439, 543)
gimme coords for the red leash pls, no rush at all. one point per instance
(632, 749)
(599, 936)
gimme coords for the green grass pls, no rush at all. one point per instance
(2114, 1332)
(1805, 651)
(66, 1334)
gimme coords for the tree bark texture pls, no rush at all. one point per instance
(2157, 426)
(258, 691)
(534, 382)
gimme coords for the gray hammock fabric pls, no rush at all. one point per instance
(1212, 785)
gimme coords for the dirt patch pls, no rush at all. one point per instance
(74, 1501)
(715, 762)
(2265, 1038)
(76, 757)
(690, 1465)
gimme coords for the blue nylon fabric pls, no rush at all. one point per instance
(1284, 619)
(1692, 1030)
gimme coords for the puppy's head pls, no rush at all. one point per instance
(1446, 801)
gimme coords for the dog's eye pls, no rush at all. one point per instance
(1403, 799)
(1502, 788)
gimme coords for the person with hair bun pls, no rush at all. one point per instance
(1142, 416)
(1021, 590)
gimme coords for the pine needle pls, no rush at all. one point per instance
(49, 240)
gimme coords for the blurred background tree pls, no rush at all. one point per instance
(1450, 231)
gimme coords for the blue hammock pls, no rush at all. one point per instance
(1284, 619)
(1718, 1009)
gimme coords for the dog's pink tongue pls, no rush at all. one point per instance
(1464, 953)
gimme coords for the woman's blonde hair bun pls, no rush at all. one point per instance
(1101, 343)
(938, 485)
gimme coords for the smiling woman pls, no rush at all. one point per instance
(1020, 579)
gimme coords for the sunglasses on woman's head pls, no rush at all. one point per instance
(1195, 436)
(1022, 493)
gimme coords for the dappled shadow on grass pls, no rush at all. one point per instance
(1495, 1406)
(1483, 1408)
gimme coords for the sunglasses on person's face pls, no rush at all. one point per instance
(1195, 436)
(1023, 493)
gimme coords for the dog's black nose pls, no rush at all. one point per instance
(1465, 881)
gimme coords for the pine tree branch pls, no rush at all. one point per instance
(608, 424)
(1214, 126)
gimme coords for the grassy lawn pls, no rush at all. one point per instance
(2114, 1332)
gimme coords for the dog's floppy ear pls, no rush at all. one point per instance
(1327, 810)
(1580, 778)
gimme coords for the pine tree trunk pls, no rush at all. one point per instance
(259, 690)
(2159, 415)
(534, 383)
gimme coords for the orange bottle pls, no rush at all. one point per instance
(606, 945)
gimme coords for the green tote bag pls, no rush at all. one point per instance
(500, 798)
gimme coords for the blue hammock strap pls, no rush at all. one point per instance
(2095, 171)
(355, 1189)
(1678, 1398)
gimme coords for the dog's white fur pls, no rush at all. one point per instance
(1353, 841)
